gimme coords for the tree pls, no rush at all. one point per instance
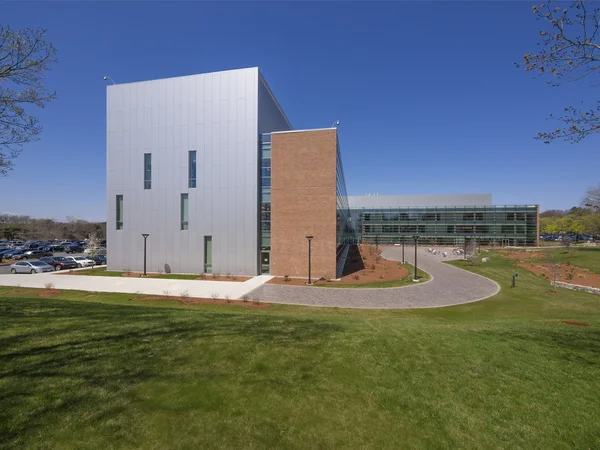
(570, 51)
(93, 245)
(592, 198)
(12, 233)
(25, 57)
(553, 213)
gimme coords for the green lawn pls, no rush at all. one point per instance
(423, 277)
(98, 271)
(584, 257)
(177, 276)
(102, 272)
(85, 370)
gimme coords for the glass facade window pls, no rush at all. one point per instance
(184, 211)
(192, 169)
(448, 225)
(147, 170)
(265, 203)
(207, 254)
(119, 208)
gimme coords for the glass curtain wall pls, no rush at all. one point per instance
(265, 203)
(451, 225)
(344, 225)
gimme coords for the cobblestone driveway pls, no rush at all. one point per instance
(449, 286)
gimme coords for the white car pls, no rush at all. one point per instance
(82, 261)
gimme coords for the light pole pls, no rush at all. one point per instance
(416, 238)
(309, 238)
(145, 235)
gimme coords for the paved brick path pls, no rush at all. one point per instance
(449, 286)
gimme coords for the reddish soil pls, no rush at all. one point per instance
(362, 267)
(49, 293)
(208, 301)
(20, 291)
(574, 322)
(44, 293)
(222, 278)
(564, 273)
(233, 278)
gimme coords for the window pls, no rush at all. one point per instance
(507, 229)
(478, 216)
(184, 211)
(482, 229)
(207, 254)
(510, 216)
(468, 216)
(147, 170)
(465, 229)
(119, 212)
(192, 169)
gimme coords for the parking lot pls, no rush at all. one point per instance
(6, 268)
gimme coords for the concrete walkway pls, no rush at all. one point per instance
(151, 286)
(449, 286)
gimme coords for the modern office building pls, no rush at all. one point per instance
(211, 169)
(444, 220)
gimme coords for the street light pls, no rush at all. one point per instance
(335, 124)
(106, 77)
(416, 238)
(309, 238)
(145, 235)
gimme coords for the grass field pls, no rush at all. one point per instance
(84, 370)
(102, 272)
(584, 257)
(423, 277)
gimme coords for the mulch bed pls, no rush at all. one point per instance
(207, 301)
(362, 266)
(564, 273)
(44, 293)
(575, 323)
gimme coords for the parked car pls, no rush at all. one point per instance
(60, 262)
(73, 249)
(100, 260)
(82, 261)
(19, 254)
(34, 254)
(57, 247)
(34, 266)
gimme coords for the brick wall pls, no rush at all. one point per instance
(303, 202)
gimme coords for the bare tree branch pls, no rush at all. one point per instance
(570, 52)
(25, 57)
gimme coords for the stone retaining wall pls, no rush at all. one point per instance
(577, 287)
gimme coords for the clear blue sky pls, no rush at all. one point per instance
(427, 93)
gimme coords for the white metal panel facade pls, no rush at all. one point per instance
(215, 114)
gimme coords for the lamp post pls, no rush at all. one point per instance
(416, 238)
(309, 238)
(145, 235)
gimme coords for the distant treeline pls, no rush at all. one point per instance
(27, 228)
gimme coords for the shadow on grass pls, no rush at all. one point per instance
(58, 357)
